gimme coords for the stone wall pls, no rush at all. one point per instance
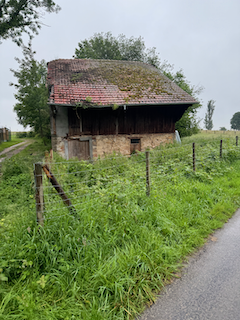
(59, 146)
(107, 144)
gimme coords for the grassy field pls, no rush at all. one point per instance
(232, 133)
(211, 134)
(111, 258)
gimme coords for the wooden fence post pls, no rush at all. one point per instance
(147, 174)
(39, 194)
(220, 148)
(236, 140)
(194, 160)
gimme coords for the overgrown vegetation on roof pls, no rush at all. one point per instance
(137, 80)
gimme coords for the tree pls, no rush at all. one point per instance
(22, 16)
(32, 94)
(106, 46)
(235, 121)
(223, 129)
(209, 114)
(188, 124)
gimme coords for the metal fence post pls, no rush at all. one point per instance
(236, 140)
(220, 148)
(194, 159)
(147, 174)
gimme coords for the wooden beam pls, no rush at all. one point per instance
(59, 189)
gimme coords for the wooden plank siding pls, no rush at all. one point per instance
(79, 149)
(134, 120)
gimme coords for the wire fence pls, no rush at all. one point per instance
(69, 187)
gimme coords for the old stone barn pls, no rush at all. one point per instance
(102, 106)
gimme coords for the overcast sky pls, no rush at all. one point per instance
(201, 37)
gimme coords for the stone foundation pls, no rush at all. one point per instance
(58, 145)
(107, 144)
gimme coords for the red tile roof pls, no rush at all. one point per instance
(109, 82)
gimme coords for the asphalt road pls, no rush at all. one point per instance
(210, 285)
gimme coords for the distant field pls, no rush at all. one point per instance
(205, 135)
(232, 133)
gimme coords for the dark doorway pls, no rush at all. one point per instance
(135, 145)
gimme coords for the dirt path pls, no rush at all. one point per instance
(11, 151)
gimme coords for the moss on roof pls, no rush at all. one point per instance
(110, 81)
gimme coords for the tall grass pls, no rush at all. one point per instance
(112, 258)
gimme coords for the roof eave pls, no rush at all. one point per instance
(189, 103)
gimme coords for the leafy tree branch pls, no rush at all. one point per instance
(22, 16)
(106, 46)
(32, 94)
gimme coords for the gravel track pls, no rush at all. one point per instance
(11, 151)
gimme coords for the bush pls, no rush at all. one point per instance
(31, 134)
(21, 135)
(25, 134)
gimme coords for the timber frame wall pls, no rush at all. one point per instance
(93, 132)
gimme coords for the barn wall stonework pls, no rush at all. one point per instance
(107, 144)
(59, 146)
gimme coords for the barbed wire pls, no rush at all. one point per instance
(92, 170)
(181, 156)
(90, 180)
(138, 154)
(117, 157)
(90, 194)
(93, 161)
(69, 198)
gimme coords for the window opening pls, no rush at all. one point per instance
(135, 140)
